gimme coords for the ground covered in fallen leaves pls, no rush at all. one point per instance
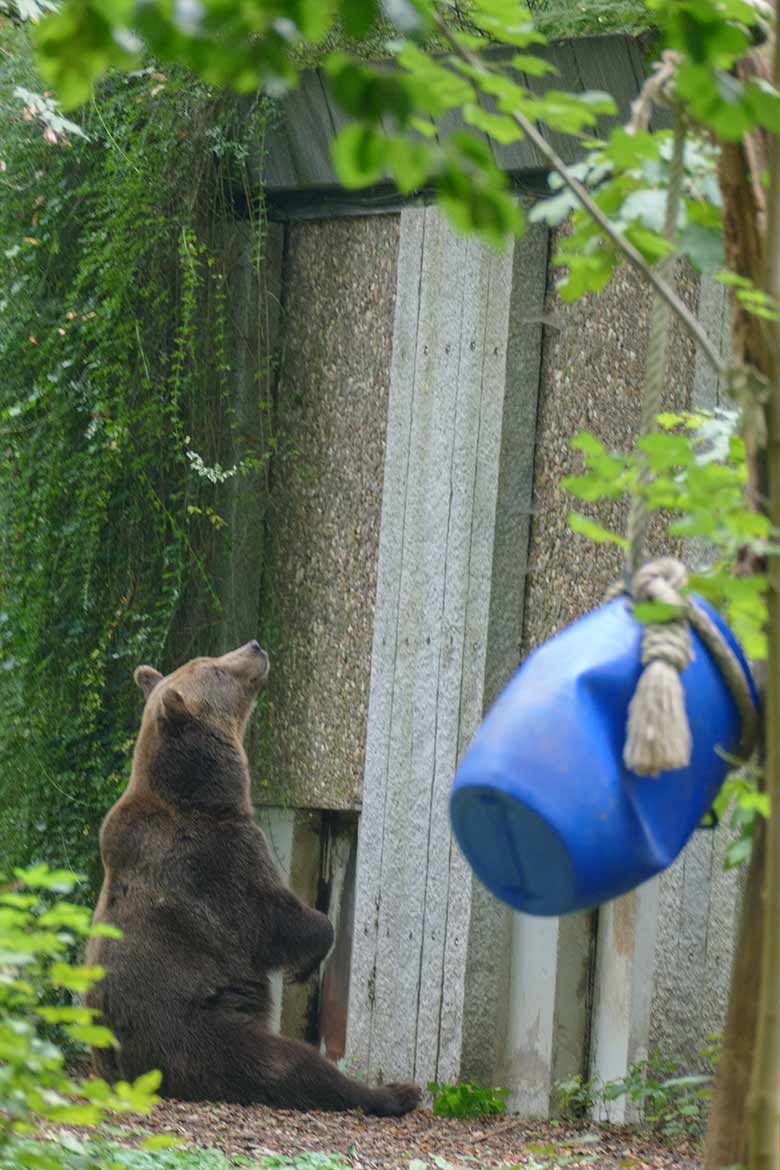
(373, 1143)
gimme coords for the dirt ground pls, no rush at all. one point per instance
(372, 1143)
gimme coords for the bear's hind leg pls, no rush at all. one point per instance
(291, 1075)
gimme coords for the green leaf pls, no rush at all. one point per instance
(66, 1015)
(163, 1141)
(703, 246)
(565, 112)
(475, 150)
(657, 612)
(104, 930)
(76, 46)
(717, 101)
(507, 21)
(652, 246)
(587, 442)
(625, 149)
(588, 487)
(40, 877)
(358, 17)
(593, 531)
(78, 979)
(75, 1114)
(669, 420)
(148, 1083)
(437, 88)
(473, 206)
(733, 280)
(738, 853)
(763, 100)
(368, 93)
(666, 451)
(532, 65)
(359, 153)
(95, 1035)
(409, 163)
(498, 126)
(585, 273)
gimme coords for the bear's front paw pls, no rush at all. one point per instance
(394, 1100)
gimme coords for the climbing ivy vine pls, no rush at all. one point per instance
(114, 412)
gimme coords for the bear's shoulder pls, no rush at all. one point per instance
(133, 826)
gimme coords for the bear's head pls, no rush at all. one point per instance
(190, 744)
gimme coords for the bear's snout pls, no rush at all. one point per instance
(257, 650)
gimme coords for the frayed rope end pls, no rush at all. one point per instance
(658, 738)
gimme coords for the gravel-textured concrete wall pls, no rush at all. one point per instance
(317, 612)
(593, 366)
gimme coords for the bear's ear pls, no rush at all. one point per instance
(174, 708)
(147, 678)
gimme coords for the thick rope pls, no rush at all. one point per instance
(658, 737)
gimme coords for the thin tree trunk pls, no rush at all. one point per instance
(746, 215)
(764, 1132)
(727, 1132)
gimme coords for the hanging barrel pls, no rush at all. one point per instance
(543, 807)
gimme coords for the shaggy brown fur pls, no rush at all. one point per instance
(203, 912)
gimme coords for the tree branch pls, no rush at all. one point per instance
(583, 196)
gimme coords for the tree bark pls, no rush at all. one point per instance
(727, 1133)
(743, 1119)
(764, 1109)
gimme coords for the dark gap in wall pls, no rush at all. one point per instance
(589, 994)
(334, 989)
(328, 821)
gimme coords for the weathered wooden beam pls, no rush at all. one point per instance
(430, 952)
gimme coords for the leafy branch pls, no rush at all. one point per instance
(478, 66)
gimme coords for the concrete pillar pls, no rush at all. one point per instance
(625, 952)
(430, 954)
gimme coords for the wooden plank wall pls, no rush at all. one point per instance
(298, 143)
(448, 394)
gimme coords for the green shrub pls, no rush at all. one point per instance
(38, 933)
(576, 1097)
(467, 1099)
(71, 1153)
(669, 1105)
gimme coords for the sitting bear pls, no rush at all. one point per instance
(204, 914)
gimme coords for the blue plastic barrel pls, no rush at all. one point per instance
(542, 806)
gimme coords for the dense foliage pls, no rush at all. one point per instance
(114, 408)
(38, 931)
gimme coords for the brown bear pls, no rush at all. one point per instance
(204, 914)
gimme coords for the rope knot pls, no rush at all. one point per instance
(658, 737)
